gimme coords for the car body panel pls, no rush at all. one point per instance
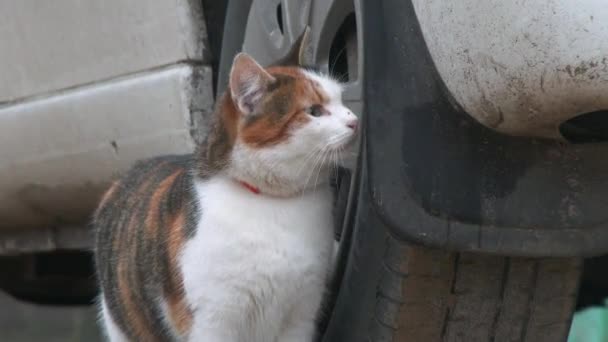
(50, 46)
(87, 94)
(520, 67)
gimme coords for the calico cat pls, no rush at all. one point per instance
(234, 242)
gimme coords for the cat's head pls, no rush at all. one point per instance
(281, 128)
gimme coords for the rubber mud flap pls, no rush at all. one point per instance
(439, 178)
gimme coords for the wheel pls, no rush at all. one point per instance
(385, 289)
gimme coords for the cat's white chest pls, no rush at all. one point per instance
(261, 260)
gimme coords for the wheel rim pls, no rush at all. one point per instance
(336, 48)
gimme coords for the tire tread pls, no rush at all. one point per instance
(434, 295)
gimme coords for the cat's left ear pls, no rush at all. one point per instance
(248, 83)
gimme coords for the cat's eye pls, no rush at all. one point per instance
(315, 110)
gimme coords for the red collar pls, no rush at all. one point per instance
(249, 187)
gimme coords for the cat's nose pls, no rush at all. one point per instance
(352, 124)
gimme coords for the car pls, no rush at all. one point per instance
(479, 189)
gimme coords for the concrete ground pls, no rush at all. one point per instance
(25, 322)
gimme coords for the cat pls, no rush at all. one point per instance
(234, 242)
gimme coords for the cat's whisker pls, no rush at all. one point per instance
(342, 77)
(340, 155)
(308, 157)
(335, 61)
(317, 149)
(325, 155)
(318, 155)
(340, 137)
(335, 163)
(320, 162)
(314, 172)
(327, 152)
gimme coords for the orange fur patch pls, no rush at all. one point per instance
(283, 108)
(179, 312)
(133, 315)
(107, 195)
(230, 117)
(151, 218)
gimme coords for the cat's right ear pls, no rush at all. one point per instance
(296, 55)
(248, 82)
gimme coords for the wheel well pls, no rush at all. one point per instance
(62, 277)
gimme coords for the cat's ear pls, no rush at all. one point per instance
(295, 56)
(248, 82)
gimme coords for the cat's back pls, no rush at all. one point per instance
(140, 181)
(141, 224)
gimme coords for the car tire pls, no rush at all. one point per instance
(396, 291)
